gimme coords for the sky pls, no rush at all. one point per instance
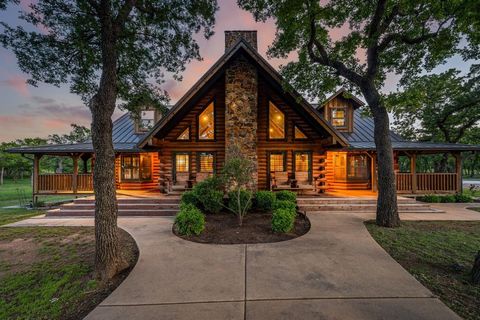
(27, 111)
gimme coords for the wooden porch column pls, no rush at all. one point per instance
(458, 171)
(36, 172)
(373, 174)
(413, 171)
(75, 174)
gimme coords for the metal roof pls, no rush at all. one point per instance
(123, 135)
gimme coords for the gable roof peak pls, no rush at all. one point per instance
(357, 102)
(232, 37)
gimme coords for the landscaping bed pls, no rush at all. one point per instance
(223, 228)
(48, 272)
(440, 255)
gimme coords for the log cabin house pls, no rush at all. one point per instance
(240, 100)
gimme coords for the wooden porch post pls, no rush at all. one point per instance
(458, 171)
(373, 174)
(413, 171)
(36, 172)
(75, 174)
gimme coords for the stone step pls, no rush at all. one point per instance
(364, 207)
(151, 206)
(318, 200)
(124, 212)
(162, 200)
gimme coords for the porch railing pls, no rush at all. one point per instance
(64, 183)
(426, 182)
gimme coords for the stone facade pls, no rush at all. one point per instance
(241, 103)
(231, 37)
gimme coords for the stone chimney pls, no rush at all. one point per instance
(241, 97)
(231, 37)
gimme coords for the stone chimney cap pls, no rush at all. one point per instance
(232, 36)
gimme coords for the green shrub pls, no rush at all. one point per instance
(189, 197)
(285, 204)
(462, 197)
(448, 199)
(209, 193)
(286, 195)
(264, 200)
(431, 198)
(189, 220)
(282, 220)
(245, 201)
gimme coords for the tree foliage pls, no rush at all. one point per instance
(438, 107)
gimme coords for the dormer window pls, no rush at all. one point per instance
(276, 126)
(206, 123)
(146, 120)
(338, 117)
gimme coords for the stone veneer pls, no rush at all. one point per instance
(231, 37)
(241, 99)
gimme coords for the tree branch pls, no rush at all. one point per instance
(123, 14)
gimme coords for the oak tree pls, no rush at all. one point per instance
(356, 44)
(109, 52)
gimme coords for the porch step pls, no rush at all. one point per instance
(319, 204)
(164, 206)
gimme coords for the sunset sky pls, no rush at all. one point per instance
(26, 111)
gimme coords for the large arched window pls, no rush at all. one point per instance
(276, 122)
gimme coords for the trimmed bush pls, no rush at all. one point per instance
(282, 220)
(190, 220)
(431, 198)
(245, 197)
(286, 195)
(448, 199)
(285, 204)
(462, 197)
(209, 194)
(264, 200)
(189, 197)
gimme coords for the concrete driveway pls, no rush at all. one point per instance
(336, 271)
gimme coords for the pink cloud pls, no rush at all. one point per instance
(18, 83)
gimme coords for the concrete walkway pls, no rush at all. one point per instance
(336, 271)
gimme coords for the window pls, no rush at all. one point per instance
(136, 167)
(338, 117)
(147, 120)
(185, 135)
(299, 135)
(340, 166)
(182, 162)
(276, 125)
(302, 162)
(277, 162)
(206, 162)
(206, 124)
(357, 167)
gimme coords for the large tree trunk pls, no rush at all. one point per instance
(387, 210)
(108, 258)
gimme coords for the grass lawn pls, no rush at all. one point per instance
(440, 255)
(47, 272)
(13, 215)
(11, 193)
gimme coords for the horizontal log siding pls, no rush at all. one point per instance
(292, 118)
(169, 144)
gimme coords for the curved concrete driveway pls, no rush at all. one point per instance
(336, 271)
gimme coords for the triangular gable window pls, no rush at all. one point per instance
(299, 135)
(185, 134)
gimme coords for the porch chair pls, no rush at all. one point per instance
(303, 181)
(279, 180)
(180, 183)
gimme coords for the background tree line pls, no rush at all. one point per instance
(16, 166)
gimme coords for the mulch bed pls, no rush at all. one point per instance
(223, 228)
